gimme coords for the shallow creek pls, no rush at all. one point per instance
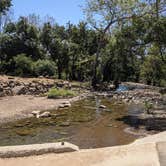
(84, 124)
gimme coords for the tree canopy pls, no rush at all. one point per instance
(119, 41)
(4, 6)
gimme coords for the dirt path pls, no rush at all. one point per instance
(16, 107)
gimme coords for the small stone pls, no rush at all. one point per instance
(35, 113)
(102, 106)
(126, 100)
(67, 105)
(109, 125)
(130, 97)
(61, 106)
(45, 115)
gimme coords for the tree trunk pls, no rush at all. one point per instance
(157, 8)
(96, 63)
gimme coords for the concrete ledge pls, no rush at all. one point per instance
(148, 151)
(160, 137)
(36, 149)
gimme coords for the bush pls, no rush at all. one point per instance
(23, 65)
(57, 93)
(44, 68)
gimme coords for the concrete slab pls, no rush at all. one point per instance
(148, 151)
(161, 148)
(135, 155)
(160, 137)
(36, 149)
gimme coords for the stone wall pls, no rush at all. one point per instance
(10, 86)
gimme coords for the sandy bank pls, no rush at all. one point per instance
(18, 107)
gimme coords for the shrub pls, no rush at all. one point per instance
(57, 93)
(23, 65)
(44, 67)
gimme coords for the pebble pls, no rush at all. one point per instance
(102, 106)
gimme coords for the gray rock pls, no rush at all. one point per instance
(67, 105)
(61, 106)
(66, 102)
(102, 106)
(35, 113)
(45, 115)
(18, 90)
(126, 100)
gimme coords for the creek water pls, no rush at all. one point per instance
(84, 124)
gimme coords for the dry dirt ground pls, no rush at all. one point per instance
(16, 107)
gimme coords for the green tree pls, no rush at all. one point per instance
(153, 70)
(4, 6)
(104, 15)
(44, 68)
(23, 65)
(46, 35)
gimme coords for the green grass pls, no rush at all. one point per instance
(60, 93)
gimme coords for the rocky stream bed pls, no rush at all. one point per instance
(96, 119)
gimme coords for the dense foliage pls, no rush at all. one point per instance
(4, 6)
(131, 48)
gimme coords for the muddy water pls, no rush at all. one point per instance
(84, 124)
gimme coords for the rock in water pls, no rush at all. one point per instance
(102, 106)
(61, 106)
(45, 115)
(67, 105)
